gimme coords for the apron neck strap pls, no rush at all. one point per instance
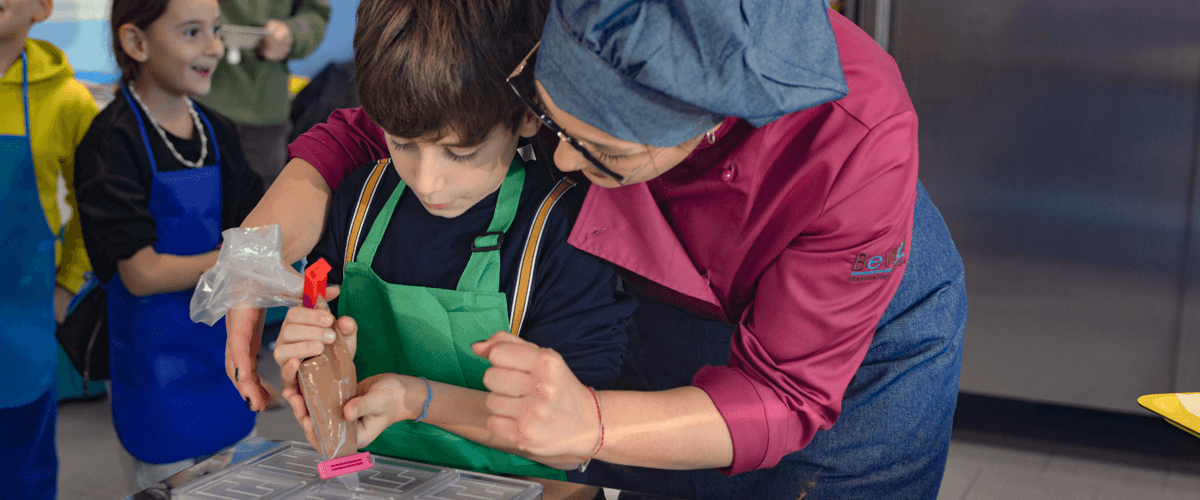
(483, 269)
(25, 91)
(137, 113)
(28, 130)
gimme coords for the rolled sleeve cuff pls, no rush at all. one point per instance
(745, 413)
(339, 146)
(313, 151)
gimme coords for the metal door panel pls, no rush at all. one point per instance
(1058, 140)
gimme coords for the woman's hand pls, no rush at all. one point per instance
(383, 400)
(298, 201)
(243, 339)
(304, 334)
(535, 400)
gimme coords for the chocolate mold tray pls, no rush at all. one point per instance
(290, 473)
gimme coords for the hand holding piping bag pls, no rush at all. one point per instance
(319, 386)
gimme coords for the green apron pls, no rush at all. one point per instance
(428, 332)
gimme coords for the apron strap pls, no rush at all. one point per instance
(533, 242)
(365, 197)
(483, 270)
(25, 93)
(29, 132)
(137, 113)
(375, 235)
(211, 135)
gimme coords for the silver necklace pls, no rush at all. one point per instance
(161, 133)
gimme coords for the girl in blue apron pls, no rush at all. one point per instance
(161, 177)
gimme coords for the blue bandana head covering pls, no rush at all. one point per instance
(661, 72)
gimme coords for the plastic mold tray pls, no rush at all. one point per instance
(290, 472)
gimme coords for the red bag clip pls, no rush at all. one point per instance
(315, 278)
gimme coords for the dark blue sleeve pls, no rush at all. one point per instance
(575, 307)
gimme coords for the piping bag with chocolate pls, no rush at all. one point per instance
(327, 382)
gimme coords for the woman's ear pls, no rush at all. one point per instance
(133, 42)
(529, 125)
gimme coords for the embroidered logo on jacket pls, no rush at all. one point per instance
(874, 267)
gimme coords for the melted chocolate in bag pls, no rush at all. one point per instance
(327, 382)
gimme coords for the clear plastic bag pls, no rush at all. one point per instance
(249, 274)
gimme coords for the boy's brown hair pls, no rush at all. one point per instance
(426, 67)
(140, 13)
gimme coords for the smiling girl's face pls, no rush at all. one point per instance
(183, 47)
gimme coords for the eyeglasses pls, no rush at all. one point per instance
(562, 134)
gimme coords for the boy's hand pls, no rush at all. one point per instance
(277, 43)
(536, 402)
(383, 400)
(243, 338)
(62, 300)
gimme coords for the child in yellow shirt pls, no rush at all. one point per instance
(44, 113)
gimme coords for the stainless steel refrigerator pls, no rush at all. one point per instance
(1059, 138)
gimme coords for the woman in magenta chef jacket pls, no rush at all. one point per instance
(801, 303)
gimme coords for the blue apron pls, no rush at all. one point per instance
(171, 399)
(893, 434)
(28, 405)
(28, 356)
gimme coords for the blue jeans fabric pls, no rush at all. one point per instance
(28, 461)
(893, 434)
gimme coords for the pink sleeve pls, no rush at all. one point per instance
(339, 146)
(816, 308)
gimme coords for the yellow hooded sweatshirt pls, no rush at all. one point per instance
(60, 112)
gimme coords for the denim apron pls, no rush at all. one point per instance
(171, 399)
(892, 436)
(28, 349)
(428, 332)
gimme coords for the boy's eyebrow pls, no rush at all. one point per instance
(456, 145)
(439, 143)
(217, 21)
(396, 143)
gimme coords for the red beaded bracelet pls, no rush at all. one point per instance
(599, 444)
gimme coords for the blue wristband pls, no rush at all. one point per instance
(428, 397)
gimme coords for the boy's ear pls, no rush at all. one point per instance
(43, 10)
(529, 125)
(133, 41)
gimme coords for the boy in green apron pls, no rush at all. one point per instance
(451, 238)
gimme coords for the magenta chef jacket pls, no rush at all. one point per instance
(796, 231)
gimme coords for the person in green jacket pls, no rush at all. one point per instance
(254, 92)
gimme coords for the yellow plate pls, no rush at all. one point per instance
(1180, 409)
